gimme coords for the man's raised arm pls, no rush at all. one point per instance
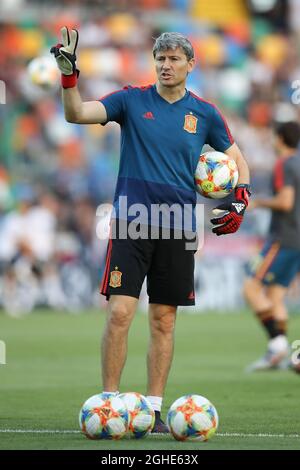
(77, 111)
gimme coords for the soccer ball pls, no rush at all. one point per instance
(192, 418)
(104, 416)
(141, 414)
(216, 175)
(43, 72)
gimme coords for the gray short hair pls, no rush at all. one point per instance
(171, 41)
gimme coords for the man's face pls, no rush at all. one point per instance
(172, 67)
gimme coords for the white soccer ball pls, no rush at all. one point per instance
(141, 414)
(216, 175)
(192, 418)
(104, 416)
(43, 72)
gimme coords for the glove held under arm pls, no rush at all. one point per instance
(232, 219)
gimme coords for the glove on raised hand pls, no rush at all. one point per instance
(65, 53)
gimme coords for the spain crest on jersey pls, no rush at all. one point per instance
(190, 123)
(115, 278)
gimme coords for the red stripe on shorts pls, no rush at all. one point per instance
(106, 271)
(268, 260)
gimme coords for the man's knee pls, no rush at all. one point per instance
(163, 321)
(251, 288)
(119, 317)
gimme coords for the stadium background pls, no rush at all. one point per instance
(53, 176)
(248, 59)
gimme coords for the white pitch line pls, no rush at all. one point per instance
(38, 431)
(61, 431)
(234, 434)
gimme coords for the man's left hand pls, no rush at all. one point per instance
(231, 220)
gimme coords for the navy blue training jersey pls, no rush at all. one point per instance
(161, 143)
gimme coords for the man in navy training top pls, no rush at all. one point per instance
(163, 129)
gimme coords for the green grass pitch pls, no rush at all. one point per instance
(53, 366)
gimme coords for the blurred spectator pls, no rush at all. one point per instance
(27, 248)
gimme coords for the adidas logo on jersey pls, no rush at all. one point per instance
(148, 115)
(238, 206)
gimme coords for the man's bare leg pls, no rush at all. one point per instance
(160, 353)
(121, 310)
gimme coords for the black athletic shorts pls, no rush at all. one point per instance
(169, 268)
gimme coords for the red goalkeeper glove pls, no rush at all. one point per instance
(234, 211)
